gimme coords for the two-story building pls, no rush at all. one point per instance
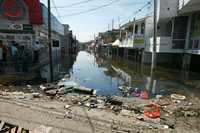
(178, 34)
(25, 22)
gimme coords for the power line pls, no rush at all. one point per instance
(53, 2)
(91, 10)
(133, 3)
(73, 4)
(138, 11)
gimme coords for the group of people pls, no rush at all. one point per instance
(18, 56)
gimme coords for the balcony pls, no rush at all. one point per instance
(194, 46)
(165, 45)
(182, 3)
(186, 6)
(139, 42)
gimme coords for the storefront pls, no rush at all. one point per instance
(25, 22)
(195, 31)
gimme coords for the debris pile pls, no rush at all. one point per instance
(158, 113)
(65, 87)
(134, 92)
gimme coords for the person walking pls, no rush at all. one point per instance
(36, 49)
(5, 53)
(14, 53)
(1, 56)
(1, 51)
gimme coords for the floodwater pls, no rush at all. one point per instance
(88, 72)
(106, 74)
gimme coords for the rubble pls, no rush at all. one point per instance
(157, 113)
(36, 95)
(41, 129)
(152, 111)
(178, 97)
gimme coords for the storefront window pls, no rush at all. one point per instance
(196, 25)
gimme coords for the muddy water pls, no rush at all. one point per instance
(107, 74)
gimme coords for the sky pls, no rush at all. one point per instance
(86, 25)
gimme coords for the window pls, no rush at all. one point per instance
(196, 44)
(55, 43)
(136, 29)
(142, 28)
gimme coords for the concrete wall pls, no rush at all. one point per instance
(55, 24)
(167, 9)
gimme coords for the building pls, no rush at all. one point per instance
(191, 10)
(69, 42)
(25, 22)
(178, 36)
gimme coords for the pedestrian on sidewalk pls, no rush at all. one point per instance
(36, 49)
(1, 56)
(14, 53)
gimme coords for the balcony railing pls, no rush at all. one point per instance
(182, 3)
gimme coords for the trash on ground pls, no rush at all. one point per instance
(68, 83)
(144, 94)
(152, 111)
(178, 97)
(84, 90)
(42, 129)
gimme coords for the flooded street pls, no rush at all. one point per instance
(89, 73)
(106, 74)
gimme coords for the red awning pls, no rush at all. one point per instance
(35, 11)
(15, 9)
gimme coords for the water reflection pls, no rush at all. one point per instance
(60, 68)
(105, 74)
(92, 72)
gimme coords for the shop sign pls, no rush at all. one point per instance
(16, 26)
(12, 9)
(27, 27)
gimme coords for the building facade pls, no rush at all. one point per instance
(178, 35)
(25, 22)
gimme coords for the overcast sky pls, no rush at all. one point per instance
(86, 25)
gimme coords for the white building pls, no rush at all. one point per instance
(178, 33)
(138, 26)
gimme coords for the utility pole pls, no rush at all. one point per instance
(108, 27)
(133, 36)
(120, 31)
(49, 42)
(153, 62)
(113, 24)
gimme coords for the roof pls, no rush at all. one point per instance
(131, 22)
